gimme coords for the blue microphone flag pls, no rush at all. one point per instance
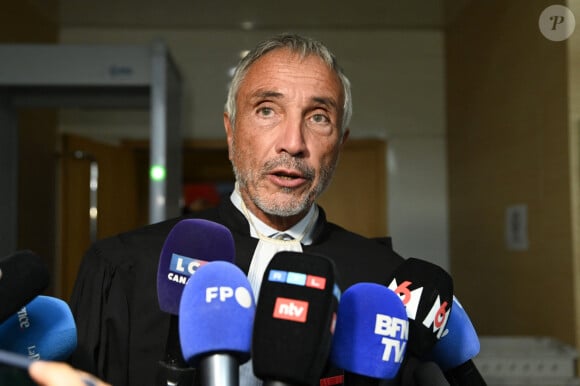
(216, 313)
(371, 332)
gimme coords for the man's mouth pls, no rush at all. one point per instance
(287, 178)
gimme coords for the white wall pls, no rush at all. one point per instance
(398, 93)
(418, 219)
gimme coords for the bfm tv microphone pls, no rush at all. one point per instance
(427, 293)
(43, 329)
(295, 318)
(190, 244)
(23, 276)
(455, 350)
(216, 316)
(371, 334)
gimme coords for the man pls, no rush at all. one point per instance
(286, 119)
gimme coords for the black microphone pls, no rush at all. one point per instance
(427, 293)
(23, 276)
(190, 244)
(295, 318)
(429, 374)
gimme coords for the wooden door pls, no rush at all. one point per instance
(357, 196)
(119, 199)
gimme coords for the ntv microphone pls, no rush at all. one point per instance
(190, 244)
(455, 350)
(295, 318)
(23, 276)
(216, 316)
(43, 329)
(426, 290)
(371, 334)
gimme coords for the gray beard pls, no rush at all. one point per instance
(296, 206)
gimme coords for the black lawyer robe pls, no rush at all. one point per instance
(122, 333)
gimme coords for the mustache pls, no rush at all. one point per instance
(289, 162)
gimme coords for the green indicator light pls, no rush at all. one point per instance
(157, 173)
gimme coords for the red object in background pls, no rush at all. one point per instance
(200, 196)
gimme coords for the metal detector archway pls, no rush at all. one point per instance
(93, 76)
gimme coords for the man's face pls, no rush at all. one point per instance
(286, 140)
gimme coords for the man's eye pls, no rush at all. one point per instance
(319, 118)
(266, 111)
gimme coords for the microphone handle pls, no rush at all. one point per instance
(352, 379)
(465, 375)
(170, 375)
(173, 370)
(219, 370)
(271, 382)
(430, 374)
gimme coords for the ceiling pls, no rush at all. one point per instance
(253, 14)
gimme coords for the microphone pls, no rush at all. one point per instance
(23, 276)
(295, 318)
(455, 350)
(216, 316)
(371, 334)
(190, 244)
(427, 293)
(429, 374)
(43, 329)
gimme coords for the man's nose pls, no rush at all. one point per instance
(291, 137)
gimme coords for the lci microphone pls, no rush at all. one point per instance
(371, 334)
(23, 276)
(295, 319)
(427, 293)
(43, 329)
(216, 317)
(455, 350)
(190, 244)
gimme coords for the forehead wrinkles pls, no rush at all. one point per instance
(276, 73)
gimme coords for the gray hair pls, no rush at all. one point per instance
(298, 44)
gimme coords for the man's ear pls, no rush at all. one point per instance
(229, 133)
(345, 135)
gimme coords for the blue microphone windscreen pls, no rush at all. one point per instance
(190, 244)
(216, 313)
(460, 343)
(43, 329)
(371, 332)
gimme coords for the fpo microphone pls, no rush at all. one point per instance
(190, 244)
(371, 334)
(23, 276)
(295, 318)
(455, 350)
(427, 293)
(43, 329)
(215, 322)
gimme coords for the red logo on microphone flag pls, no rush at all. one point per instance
(291, 309)
(318, 282)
